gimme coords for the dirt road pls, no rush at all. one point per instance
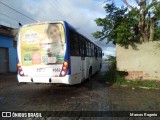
(93, 95)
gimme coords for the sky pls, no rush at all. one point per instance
(81, 14)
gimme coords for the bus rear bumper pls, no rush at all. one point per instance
(63, 80)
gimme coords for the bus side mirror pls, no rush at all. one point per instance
(102, 54)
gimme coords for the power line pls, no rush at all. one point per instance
(69, 16)
(57, 2)
(18, 11)
(8, 22)
(55, 6)
(9, 17)
(60, 10)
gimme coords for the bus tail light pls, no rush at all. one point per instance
(20, 71)
(64, 69)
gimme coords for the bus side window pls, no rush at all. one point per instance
(99, 54)
(74, 43)
(95, 51)
(92, 50)
(87, 48)
(88, 54)
(82, 47)
(71, 42)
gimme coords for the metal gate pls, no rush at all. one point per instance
(4, 60)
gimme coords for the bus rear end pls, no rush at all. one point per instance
(42, 54)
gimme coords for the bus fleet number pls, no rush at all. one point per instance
(56, 70)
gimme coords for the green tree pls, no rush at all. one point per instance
(128, 25)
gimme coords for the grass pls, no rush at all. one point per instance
(136, 83)
(114, 77)
(111, 58)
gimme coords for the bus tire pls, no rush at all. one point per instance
(90, 73)
(100, 65)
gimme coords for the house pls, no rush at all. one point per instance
(8, 53)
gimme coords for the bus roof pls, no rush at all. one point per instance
(45, 22)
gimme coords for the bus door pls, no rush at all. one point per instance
(82, 50)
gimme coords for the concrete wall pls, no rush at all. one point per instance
(141, 64)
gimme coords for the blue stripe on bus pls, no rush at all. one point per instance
(67, 55)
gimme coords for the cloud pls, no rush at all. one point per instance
(79, 13)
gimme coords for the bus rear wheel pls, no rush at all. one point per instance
(90, 73)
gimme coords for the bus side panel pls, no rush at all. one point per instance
(92, 62)
(76, 68)
(98, 65)
(89, 63)
(80, 68)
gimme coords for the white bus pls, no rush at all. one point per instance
(54, 52)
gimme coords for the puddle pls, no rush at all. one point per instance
(1, 98)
